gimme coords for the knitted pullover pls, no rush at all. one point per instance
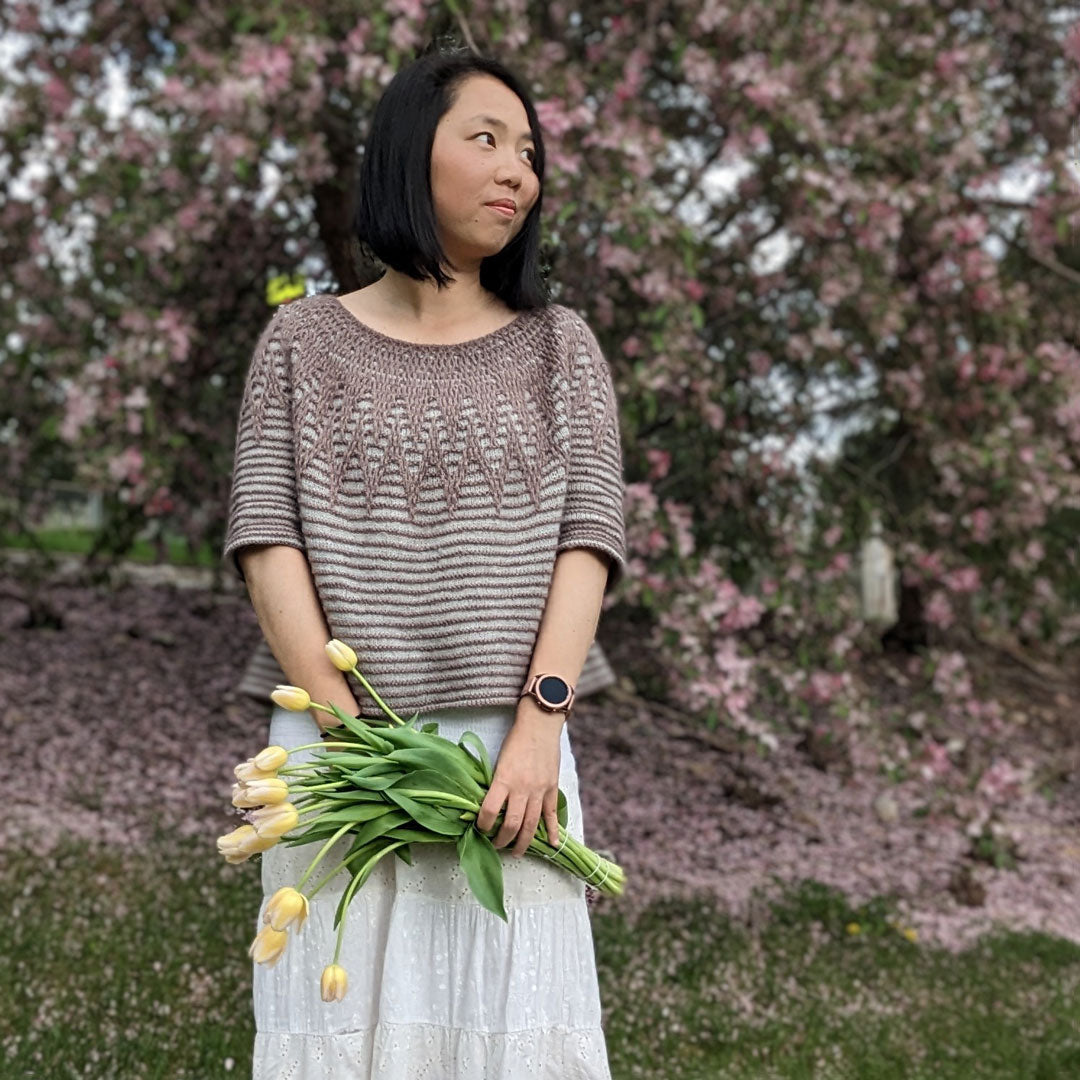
(430, 487)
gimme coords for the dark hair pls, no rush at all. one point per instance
(395, 214)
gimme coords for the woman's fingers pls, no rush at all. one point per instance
(551, 818)
(528, 828)
(515, 814)
(492, 805)
(521, 818)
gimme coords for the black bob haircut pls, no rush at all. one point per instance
(395, 214)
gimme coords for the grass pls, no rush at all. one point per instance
(120, 968)
(78, 542)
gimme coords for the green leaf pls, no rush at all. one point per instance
(362, 812)
(472, 739)
(446, 763)
(380, 827)
(483, 869)
(400, 737)
(360, 729)
(353, 761)
(378, 766)
(432, 780)
(430, 817)
(417, 836)
(565, 213)
(560, 809)
(374, 783)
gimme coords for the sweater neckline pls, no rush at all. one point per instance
(511, 331)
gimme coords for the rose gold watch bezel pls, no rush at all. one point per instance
(533, 691)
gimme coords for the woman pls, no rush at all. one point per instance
(429, 469)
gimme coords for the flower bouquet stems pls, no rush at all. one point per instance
(387, 784)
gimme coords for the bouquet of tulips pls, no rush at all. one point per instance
(388, 783)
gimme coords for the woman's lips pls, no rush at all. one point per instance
(504, 210)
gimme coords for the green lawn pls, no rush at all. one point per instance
(78, 541)
(128, 969)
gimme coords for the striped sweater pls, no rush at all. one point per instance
(431, 488)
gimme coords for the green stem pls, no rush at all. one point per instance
(443, 798)
(337, 869)
(354, 884)
(378, 700)
(325, 848)
(308, 746)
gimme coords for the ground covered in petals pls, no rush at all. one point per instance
(125, 718)
(775, 925)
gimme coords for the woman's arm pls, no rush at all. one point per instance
(282, 592)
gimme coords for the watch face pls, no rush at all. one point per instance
(553, 690)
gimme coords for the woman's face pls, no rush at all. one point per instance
(482, 151)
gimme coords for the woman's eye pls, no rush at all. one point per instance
(531, 151)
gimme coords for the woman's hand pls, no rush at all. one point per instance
(526, 778)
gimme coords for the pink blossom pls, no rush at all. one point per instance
(938, 610)
(965, 580)
(127, 465)
(659, 462)
(694, 289)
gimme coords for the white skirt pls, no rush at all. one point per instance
(439, 988)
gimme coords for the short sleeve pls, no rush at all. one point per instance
(593, 510)
(263, 506)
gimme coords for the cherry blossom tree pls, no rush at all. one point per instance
(864, 244)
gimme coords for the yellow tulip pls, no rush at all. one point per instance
(334, 982)
(253, 844)
(268, 946)
(248, 770)
(243, 842)
(341, 656)
(293, 698)
(285, 907)
(239, 794)
(271, 759)
(275, 821)
(229, 844)
(260, 793)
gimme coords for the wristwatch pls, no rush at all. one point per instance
(551, 693)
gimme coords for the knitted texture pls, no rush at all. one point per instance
(431, 488)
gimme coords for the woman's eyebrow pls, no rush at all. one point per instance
(496, 123)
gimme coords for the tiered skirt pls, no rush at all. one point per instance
(439, 988)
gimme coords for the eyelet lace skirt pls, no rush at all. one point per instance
(439, 988)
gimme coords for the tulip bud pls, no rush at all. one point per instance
(341, 656)
(285, 907)
(334, 982)
(231, 843)
(293, 698)
(263, 793)
(275, 821)
(240, 796)
(268, 946)
(252, 845)
(248, 770)
(271, 759)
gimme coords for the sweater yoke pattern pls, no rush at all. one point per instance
(393, 415)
